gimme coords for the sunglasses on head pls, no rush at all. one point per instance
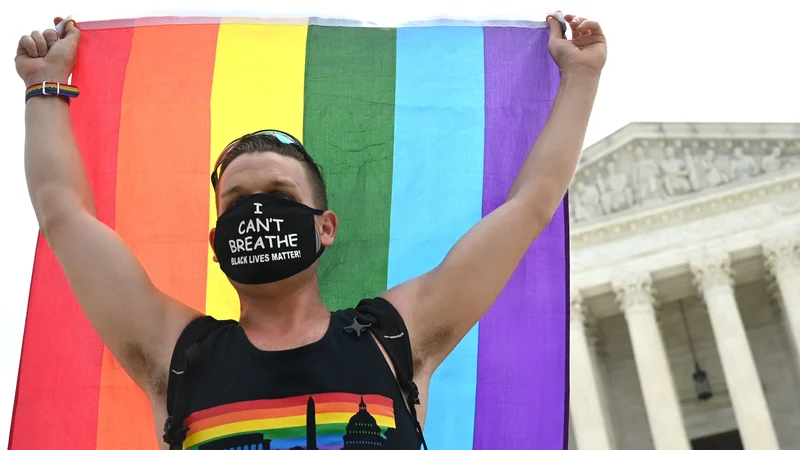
(283, 137)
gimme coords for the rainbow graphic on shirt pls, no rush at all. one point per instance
(308, 422)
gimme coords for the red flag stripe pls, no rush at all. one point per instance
(59, 377)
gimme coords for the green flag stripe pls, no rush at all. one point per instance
(349, 129)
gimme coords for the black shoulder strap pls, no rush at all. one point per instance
(388, 326)
(185, 356)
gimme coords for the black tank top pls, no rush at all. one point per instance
(337, 393)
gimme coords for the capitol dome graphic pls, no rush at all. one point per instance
(363, 431)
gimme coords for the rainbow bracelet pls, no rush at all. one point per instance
(64, 91)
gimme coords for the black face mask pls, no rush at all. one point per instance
(264, 238)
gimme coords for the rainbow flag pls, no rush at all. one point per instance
(420, 131)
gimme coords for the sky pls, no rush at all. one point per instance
(672, 61)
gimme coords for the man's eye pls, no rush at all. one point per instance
(283, 195)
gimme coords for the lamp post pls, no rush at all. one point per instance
(701, 385)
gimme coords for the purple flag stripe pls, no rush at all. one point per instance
(522, 352)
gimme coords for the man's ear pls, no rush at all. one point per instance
(327, 226)
(211, 235)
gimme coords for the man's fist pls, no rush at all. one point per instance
(45, 57)
(585, 51)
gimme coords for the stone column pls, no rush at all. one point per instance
(590, 424)
(635, 297)
(782, 257)
(712, 275)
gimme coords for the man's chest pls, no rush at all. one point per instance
(261, 404)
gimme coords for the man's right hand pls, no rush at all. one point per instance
(45, 57)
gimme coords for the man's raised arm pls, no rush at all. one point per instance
(442, 305)
(135, 320)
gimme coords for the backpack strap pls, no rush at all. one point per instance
(389, 328)
(185, 357)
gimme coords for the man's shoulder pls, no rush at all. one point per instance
(197, 330)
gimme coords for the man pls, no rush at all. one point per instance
(287, 356)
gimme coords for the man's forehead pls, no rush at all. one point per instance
(263, 166)
(258, 171)
(264, 160)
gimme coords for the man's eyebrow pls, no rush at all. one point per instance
(283, 182)
(235, 189)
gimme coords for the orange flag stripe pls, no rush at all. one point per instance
(165, 124)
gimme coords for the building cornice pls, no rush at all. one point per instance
(646, 177)
(688, 131)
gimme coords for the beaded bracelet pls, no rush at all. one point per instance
(64, 91)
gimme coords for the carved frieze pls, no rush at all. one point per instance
(650, 172)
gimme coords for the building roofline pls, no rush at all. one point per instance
(689, 130)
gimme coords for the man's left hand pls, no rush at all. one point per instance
(586, 51)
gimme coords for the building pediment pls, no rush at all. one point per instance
(647, 170)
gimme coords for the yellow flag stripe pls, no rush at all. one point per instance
(259, 79)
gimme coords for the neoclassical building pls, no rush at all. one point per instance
(685, 281)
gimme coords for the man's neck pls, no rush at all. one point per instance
(287, 310)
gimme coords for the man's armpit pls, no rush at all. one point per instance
(430, 345)
(144, 371)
